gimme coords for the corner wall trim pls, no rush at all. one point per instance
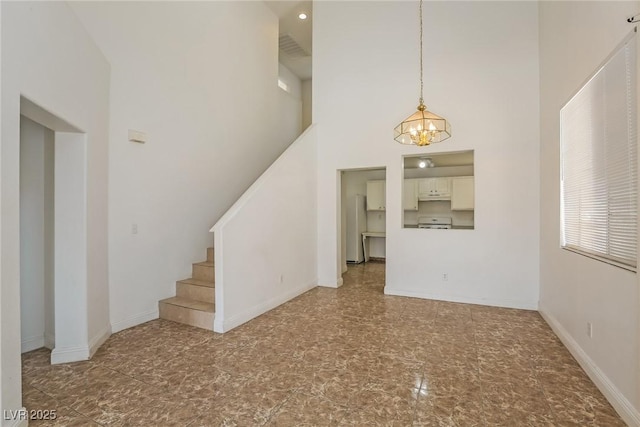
(620, 403)
(49, 341)
(134, 321)
(69, 354)
(493, 302)
(98, 340)
(225, 325)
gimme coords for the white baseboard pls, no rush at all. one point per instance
(621, 404)
(493, 302)
(32, 343)
(69, 354)
(19, 418)
(81, 352)
(224, 325)
(98, 340)
(339, 282)
(134, 321)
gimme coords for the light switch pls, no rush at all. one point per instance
(137, 136)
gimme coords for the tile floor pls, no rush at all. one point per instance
(350, 356)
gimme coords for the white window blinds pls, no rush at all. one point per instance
(599, 162)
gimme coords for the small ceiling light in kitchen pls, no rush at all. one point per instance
(302, 16)
(423, 127)
(426, 163)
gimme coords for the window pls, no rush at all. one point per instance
(599, 162)
(282, 85)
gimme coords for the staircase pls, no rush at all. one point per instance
(194, 303)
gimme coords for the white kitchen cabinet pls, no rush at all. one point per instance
(434, 188)
(462, 193)
(376, 195)
(410, 195)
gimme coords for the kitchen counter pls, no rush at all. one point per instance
(367, 234)
(453, 227)
(374, 234)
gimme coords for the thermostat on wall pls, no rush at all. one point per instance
(137, 136)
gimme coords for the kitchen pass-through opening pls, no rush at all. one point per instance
(438, 191)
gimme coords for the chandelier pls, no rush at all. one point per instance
(423, 127)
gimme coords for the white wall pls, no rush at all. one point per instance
(576, 37)
(36, 235)
(289, 108)
(480, 57)
(294, 86)
(71, 248)
(49, 241)
(266, 243)
(48, 57)
(200, 78)
(307, 101)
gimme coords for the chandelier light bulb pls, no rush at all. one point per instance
(424, 139)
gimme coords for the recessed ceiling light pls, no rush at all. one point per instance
(426, 163)
(302, 16)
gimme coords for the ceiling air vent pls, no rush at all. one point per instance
(291, 47)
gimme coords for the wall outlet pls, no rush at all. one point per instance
(445, 277)
(137, 136)
(589, 330)
(134, 228)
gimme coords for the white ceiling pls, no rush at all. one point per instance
(299, 30)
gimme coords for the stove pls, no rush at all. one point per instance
(434, 222)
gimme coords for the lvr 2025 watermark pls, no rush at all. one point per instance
(25, 414)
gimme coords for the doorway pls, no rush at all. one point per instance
(362, 216)
(53, 235)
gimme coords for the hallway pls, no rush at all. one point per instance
(350, 356)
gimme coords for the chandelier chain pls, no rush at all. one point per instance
(423, 127)
(421, 72)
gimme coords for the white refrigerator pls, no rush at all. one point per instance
(356, 225)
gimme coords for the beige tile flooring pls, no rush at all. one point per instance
(350, 356)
